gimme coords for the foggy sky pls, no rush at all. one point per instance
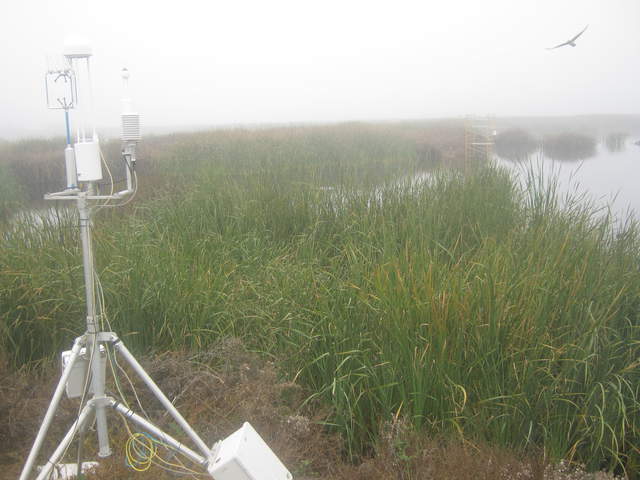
(245, 61)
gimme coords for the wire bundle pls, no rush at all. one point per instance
(140, 450)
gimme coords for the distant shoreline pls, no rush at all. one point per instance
(539, 123)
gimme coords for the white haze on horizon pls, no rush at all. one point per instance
(197, 63)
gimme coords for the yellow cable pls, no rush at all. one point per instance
(142, 464)
(140, 453)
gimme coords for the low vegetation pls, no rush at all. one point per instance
(393, 293)
(516, 144)
(615, 142)
(569, 146)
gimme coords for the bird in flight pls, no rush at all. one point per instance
(569, 42)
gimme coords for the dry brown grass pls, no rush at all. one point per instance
(219, 389)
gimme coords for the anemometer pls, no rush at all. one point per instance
(241, 456)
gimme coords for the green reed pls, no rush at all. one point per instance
(464, 303)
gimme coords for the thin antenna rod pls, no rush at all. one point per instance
(93, 120)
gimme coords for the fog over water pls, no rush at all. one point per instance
(200, 63)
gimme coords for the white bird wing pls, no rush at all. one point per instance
(569, 42)
(574, 38)
(561, 45)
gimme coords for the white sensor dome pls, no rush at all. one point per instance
(77, 47)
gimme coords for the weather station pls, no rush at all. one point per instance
(85, 368)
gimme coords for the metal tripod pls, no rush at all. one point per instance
(91, 343)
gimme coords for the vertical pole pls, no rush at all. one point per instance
(87, 263)
(66, 120)
(93, 328)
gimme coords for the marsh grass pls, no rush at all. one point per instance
(465, 304)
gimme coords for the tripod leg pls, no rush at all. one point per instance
(159, 434)
(53, 406)
(162, 398)
(62, 447)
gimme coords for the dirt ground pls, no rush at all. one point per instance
(217, 391)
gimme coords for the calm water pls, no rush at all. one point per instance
(609, 177)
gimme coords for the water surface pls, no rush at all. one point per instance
(610, 177)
